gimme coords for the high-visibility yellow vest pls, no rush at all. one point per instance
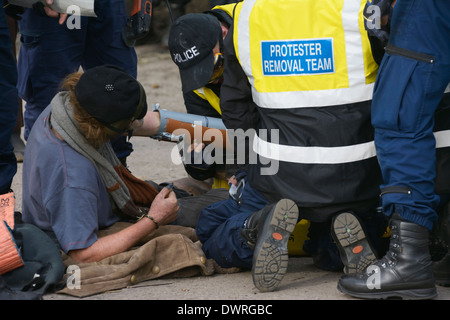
(311, 71)
(322, 51)
(318, 57)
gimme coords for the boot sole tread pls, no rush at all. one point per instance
(356, 252)
(270, 258)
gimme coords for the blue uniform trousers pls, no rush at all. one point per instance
(411, 81)
(8, 106)
(219, 230)
(51, 51)
(219, 227)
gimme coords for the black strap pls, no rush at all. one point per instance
(394, 50)
(396, 189)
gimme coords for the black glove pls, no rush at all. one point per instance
(39, 7)
(195, 163)
(12, 10)
(374, 12)
(200, 171)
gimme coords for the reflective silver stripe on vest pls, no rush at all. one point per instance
(243, 39)
(314, 155)
(357, 91)
(442, 138)
(328, 155)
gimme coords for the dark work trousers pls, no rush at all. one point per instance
(8, 106)
(219, 228)
(49, 52)
(191, 207)
(411, 82)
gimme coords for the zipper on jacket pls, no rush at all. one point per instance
(393, 50)
(396, 189)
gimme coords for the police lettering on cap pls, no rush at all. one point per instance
(109, 94)
(192, 38)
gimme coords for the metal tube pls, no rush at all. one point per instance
(203, 121)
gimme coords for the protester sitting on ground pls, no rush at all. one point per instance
(73, 183)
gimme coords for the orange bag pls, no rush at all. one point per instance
(7, 203)
(10, 258)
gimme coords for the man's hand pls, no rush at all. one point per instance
(164, 207)
(53, 14)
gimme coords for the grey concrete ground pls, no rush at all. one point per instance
(303, 281)
(158, 161)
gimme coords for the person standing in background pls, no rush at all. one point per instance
(50, 50)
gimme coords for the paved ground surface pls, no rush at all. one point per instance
(157, 161)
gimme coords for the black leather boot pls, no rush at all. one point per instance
(270, 257)
(404, 272)
(253, 224)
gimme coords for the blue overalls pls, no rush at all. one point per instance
(51, 51)
(8, 106)
(411, 81)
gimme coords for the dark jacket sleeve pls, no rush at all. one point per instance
(377, 49)
(196, 105)
(238, 108)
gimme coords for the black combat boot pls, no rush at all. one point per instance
(270, 257)
(404, 272)
(253, 224)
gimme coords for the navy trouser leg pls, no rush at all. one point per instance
(104, 45)
(226, 245)
(407, 92)
(219, 228)
(49, 52)
(8, 106)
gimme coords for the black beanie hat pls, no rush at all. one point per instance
(109, 94)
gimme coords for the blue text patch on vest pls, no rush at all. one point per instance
(297, 57)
